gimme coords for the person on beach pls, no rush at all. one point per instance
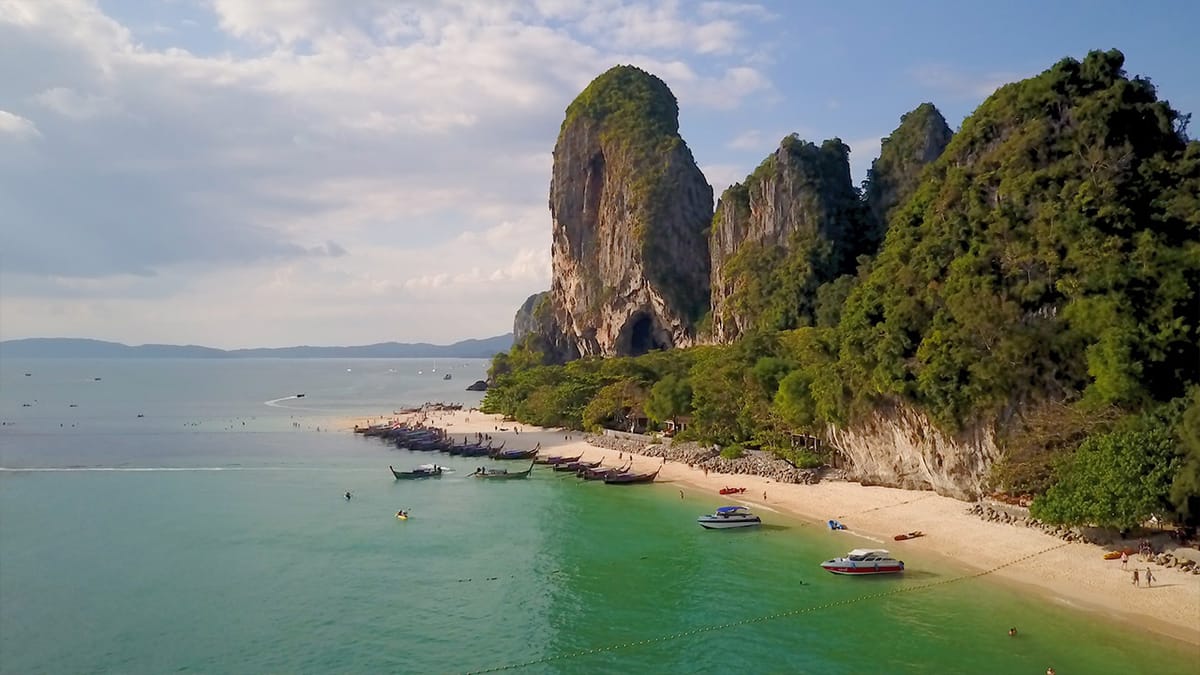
(1135, 577)
(1149, 578)
(1124, 560)
(764, 495)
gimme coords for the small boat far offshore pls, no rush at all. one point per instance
(728, 517)
(864, 561)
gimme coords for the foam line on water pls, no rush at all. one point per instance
(275, 402)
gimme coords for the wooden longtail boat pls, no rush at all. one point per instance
(501, 453)
(555, 459)
(423, 471)
(600, 473)
(576, 466)
(629, 478)
(503, 474)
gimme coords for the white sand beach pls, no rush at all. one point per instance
(1074, 573)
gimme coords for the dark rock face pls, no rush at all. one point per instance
(525, 323)
(920, 139)
(478, 385)
(790, 226)
(629, 207)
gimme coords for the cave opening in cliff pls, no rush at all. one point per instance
(640, 336)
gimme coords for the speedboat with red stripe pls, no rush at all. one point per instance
(864, 561)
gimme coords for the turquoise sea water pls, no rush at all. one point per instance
(188, 541)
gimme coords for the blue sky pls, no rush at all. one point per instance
(271, 172)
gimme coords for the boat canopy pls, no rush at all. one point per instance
(427, 467)
(732, 509)
(868, 554)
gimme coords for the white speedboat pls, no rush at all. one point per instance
(863, 561)
(728, 517)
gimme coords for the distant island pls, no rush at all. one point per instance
(84, 348)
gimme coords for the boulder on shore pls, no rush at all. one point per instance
(478, 385)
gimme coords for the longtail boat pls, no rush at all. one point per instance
(600, 473)
(503, 473)
(576, 466)
(423, 471)
(555, 459)
(501, 453)
(628, 478)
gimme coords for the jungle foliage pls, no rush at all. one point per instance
(1042, 279)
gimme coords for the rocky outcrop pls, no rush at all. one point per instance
(710, 459)
(478, 385)
(629, 209)
(789, 227)
(920, 139)
(525, 322)
(898, 446)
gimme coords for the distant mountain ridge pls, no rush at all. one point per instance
(80, 348)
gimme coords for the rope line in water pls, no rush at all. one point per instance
(761, 619)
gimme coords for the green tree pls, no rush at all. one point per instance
(611, 403)
(1185, 488)
(670, 397)
(1118, 479)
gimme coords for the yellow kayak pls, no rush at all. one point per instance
(402, 516)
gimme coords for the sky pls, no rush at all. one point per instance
(242, 173)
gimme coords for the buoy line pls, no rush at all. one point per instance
(760, 619)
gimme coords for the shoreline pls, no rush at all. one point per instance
(1024, 558)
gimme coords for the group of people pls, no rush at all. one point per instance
(1136, 571)
(1149, 578)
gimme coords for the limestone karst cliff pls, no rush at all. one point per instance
(629, 209)
(791, 226)
(1044, 254)
(525, 323)
(920, 139)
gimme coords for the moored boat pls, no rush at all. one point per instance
(909, 535)
(864, 561)
(628, 478)
(731, 490)
(484, 472)
(728, 517)
(501, 453)
(557, 459)
(423, 471)
(601, 472)
(576, 466)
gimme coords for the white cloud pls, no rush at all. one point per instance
(863, 151)
(15, 126)
(324, 162)
(721, 176)
(751, 139)
(74, 104)
(958, 83)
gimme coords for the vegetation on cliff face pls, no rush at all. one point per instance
(797, 220)
(1059, 222)
(919, 140)
(1042, 278)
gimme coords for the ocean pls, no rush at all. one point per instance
(188, 516)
